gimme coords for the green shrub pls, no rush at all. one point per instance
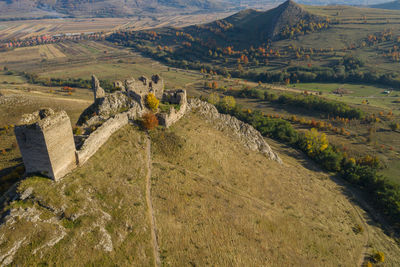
(77, 130)
(379, 256)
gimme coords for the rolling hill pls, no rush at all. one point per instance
(395, 5)
(101, 8)
(251, 26)
(244, 29)
(209, 208)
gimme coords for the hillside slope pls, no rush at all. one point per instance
(395, 5)
(215, 203)
(101, 8)
(254, 27)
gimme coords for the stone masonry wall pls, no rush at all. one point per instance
(100, 136)
(173, 116)
(47, 144)
(173, 97)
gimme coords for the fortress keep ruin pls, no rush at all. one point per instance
(49, 147)
(47, 144)
(46, 140)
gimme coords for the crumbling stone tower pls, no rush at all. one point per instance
(143, 86)
(46, 143)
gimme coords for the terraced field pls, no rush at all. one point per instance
(29, 28)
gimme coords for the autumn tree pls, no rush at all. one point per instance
(228, 102)
(213, 98)
(152, 102)
(315, 142)
(149, 121)
(215, 85)
(394, 126)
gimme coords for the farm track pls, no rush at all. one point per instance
(152, 219)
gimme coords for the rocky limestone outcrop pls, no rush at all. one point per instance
(246, 133)
(119, 85)
(97, 89)
(106, 107)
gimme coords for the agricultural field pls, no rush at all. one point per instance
(30, 28)
(82, 59)
(375, 96)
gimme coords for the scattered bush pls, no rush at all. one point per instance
(149, 121)
(358, 229)
(379, 256)
(213, 98)
(394, 126)
(77, 130)
(228, 103)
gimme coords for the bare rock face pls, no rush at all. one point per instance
(107, 106)
(98, 91)
(246, 133)
(119, 85)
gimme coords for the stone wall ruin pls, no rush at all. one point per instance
(47, 142)
(176, 97)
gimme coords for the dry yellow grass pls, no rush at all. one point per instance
(29, 28)
(48, 51)
(218, 204)
(215, 203)
(94, 217)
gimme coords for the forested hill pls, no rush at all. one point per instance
(250, 27)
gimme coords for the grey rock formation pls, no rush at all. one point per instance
(104, 108)
(119, 85)
(98, 91)
(246, 133)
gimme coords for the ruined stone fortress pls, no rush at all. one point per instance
(46, 140)
(49, 147)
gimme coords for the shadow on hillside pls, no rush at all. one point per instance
(355, 195)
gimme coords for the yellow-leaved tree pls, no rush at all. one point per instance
(213, 98)
(152, 102)
(316, 142)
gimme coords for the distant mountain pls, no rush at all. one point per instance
(342, 2)
(114, 8)
(103, 8)
(395, 5)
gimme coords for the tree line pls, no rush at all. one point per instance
(309, 102)
(384, 194)
(70, 82)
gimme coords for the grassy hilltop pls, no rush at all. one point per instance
(209, 208)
